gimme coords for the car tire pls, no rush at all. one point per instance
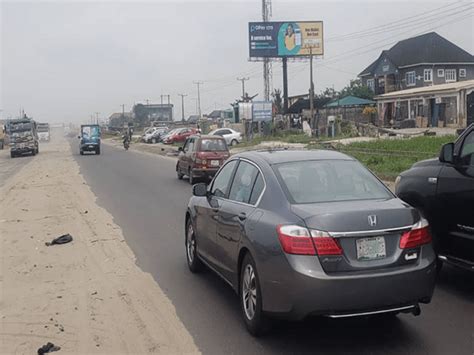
(12, 155)
(33, 152)
(178, 173)
(37, 150)
(81, 152)
(251, 298)
(234, 142)
(153, 141)
(192, 180)
(194, 264)
(97, 151)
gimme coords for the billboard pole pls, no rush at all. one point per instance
(311, 86)
(267, 66)
(285, 84)
(182, 105)
(199, 83)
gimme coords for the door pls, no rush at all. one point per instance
(206, 219)
(183, 163)
(434, 113)
(233, 216)
(456, 193)
(470, 108)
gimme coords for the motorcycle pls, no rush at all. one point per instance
(126, 143)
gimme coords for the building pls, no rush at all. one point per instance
(420, 61)
(117, 120)
(444, 105)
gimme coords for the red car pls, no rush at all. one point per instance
(179, 135)
(201, 157)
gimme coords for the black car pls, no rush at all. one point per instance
(443, 190)
(299, 233)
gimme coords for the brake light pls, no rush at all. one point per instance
(301, 241)
(418, 235)
(295, 240)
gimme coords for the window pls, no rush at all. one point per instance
(462, 73)
(221, 184)
(411, 78)
(440, 73)
(243, 182)
(371, 84)
(450, 75)
(328, 181)
(428, 75)
(213, 145)
(467, 151)
(257, 190)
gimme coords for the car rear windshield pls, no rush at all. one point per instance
(213, 145)
(328, 181)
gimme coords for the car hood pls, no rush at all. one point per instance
(427, 162)
(353, 216)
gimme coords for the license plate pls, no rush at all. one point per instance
(371, 248)
(214, 162)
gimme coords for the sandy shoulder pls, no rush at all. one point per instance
(87, 296)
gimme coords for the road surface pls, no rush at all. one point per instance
(9, 166)
(146, 199)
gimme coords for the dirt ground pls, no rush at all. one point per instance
(87, 296)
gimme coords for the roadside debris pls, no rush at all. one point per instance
(66, 238)
(48, 348)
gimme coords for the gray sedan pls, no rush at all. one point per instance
(299, 233)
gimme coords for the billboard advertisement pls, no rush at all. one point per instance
(285, 39)
(262, 111)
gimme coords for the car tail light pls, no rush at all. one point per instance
(301, 241)
(325, 244)
(295, 240)
(418, 235)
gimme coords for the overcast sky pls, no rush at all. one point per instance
(63, 60)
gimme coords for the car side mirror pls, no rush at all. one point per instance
(200, 189)
(180, 149)
(447, 153)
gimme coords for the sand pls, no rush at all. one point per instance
(87, 296)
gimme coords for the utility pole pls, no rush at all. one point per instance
(123, 110)
(311, 86)
(267, 65)
(147, 101)
(182, 105)
(198, 84)
(97, 117)
(243, 85)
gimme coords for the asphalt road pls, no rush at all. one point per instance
(9, 166)
(143, 194)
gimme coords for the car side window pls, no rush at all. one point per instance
(467, 151)
(186, 146)
(243, 182)
(257, 189)
(225, 131)
(191, 145)
(221, 184)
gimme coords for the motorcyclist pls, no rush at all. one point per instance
(126, 138)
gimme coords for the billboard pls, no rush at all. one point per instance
(262, 111)
(285, 39)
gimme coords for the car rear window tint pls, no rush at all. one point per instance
(211, 145)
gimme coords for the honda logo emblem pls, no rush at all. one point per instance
(372, 220)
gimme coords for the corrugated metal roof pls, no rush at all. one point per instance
(441, 88)
(349, 101)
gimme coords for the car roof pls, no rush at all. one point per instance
(206, 136)
(277, 156)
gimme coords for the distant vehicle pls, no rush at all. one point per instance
(443, 190)
(231, 137)
(2, 136)
(89, 139)
(201, 157)
(179, 135)
(23, 137)
(154, 134)
(44, 133)
(299, 233)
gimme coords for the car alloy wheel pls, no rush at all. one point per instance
(153, 141)
(194, 263)
(233, 142)
(249, 292)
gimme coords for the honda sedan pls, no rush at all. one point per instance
(300, 233)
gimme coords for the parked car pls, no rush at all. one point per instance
(443, 190)
(299, 233)
(154, 135)
(201, 157)
(231, 137)
(179, 135)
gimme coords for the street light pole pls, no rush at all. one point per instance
(311, 85)
(243, 85)
(198, 84)
(182, 105)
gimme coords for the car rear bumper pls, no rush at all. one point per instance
(90, 147)
(203, 173)
(307, 291)
(23, 150)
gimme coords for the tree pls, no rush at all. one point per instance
(356, 88)
(277, 101)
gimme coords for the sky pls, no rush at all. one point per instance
(63, 61)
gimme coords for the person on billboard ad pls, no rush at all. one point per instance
(289, 39)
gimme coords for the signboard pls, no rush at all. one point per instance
(285, 39)
(245, 110)
(262, 111)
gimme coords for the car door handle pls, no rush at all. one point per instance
(242, 216)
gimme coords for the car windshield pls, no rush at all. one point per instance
(211, 145)
(329, 181)
(20, 127)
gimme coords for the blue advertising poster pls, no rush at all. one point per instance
(262, 111)
(285, 39)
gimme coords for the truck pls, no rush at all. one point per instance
(89, 139)
(44, 133)
(23, 136)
